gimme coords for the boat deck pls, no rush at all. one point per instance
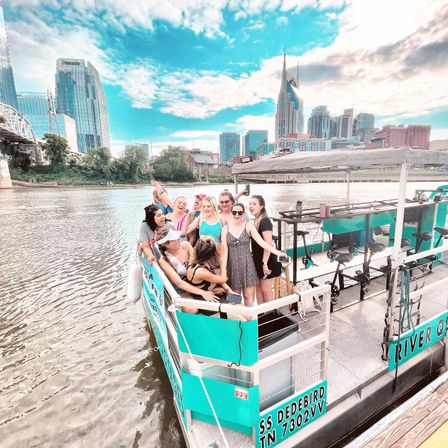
(356, 334)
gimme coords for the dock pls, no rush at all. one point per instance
(421, 421)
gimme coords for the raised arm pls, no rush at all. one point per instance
(252, 231)
(174, 278)
(186, 229)
(163, 193)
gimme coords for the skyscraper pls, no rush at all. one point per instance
(7, 87)
(229, 146)
(252, 140)
(345, 124)
(39, 109)
(80, 95)
(319, 123)
(289, 116)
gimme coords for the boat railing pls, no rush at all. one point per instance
(273, 350)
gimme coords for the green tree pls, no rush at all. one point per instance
(55, 148)
(98, 160)
(132, 163)
(171, 165)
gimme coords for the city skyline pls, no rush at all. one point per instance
(177, 76)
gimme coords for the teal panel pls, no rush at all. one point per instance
(225, 399)
(427, 225)
(283, 421)
(223, 339)
(415, 341)
(383, 218)
(337, 226)
(166, 358)
(225, 423)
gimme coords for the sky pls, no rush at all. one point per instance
(181, 71)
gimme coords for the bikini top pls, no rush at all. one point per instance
(213, 230)
(204, 284)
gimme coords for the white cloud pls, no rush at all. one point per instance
(35, 45)
(256, 122)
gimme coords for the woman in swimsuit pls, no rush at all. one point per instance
(208, 222)
(240, 263)
(200, 272)
(174, 263)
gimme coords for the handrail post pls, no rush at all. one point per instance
(397, 259)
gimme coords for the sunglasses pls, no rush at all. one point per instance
(224, 202)
(237, 212)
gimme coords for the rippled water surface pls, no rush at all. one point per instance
(77, 366)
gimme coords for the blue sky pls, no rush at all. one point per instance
(181, 71)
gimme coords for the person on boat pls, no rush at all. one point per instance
(178, 216)
(236, 236)
(197, 206)
(201, 272)
(208, 222)
(153, 222)
(266, 264)
(162, 199)
(226, 201)
(174, 261)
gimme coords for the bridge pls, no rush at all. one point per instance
(16, 133)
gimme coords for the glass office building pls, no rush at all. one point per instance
(80, 95)
(8, 93)
(252, 140)
(39, 109)
(229, 146)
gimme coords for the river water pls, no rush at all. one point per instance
(77, 365)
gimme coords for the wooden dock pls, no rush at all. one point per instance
(422, 421)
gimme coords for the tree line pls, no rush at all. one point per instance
(98, 165)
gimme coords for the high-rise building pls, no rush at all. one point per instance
(143, 146)
(320, 123)
(229, 146)
(39, 109)
(364, 126)
(345, 124)
(289, 115)
(8, 93)
(80, 95)
(252, 140)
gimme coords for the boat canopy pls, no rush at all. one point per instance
(343, 160)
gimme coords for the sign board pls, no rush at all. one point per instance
(286, 419)
(415, 341)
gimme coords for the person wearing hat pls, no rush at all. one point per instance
(174, 261)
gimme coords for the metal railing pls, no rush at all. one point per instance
(13, 121)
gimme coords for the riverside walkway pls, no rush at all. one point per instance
(421, 421)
